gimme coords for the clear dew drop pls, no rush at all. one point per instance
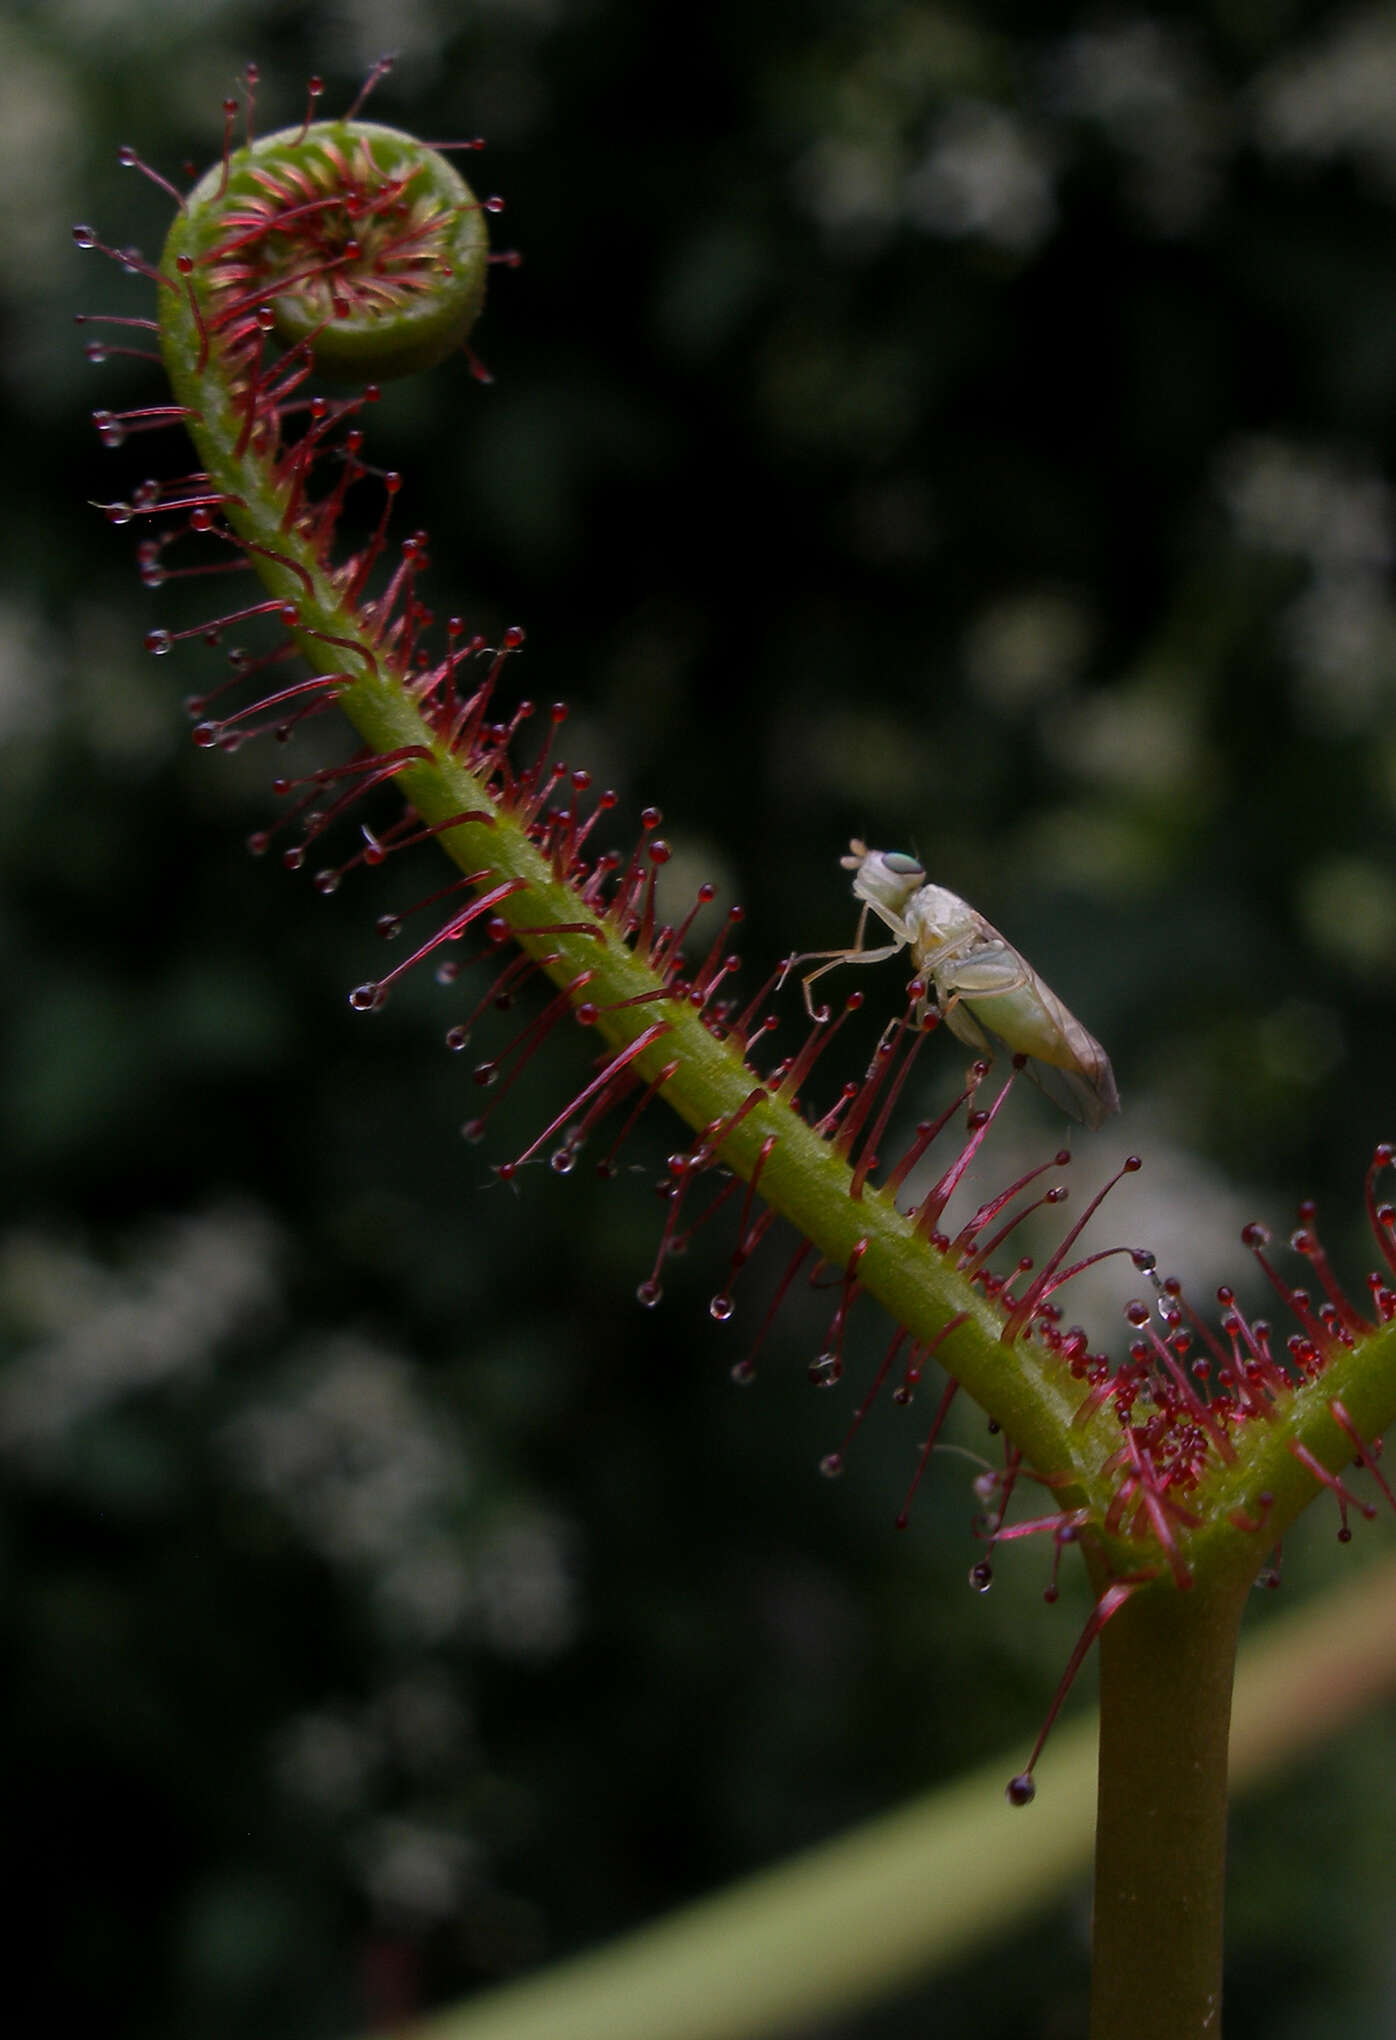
(158, 642)
(648, 1293)
(981, 1576)
(85, 236)
(456, 1038)
(721, 1307)
(831, 1465)
(562, 1161)
(367, 998)
(826, 1371)
(119, 513)
(744, 1373)
(473, 1131)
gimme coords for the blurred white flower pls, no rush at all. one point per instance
(1333, 96)
(105, 1335)
(1145, 87)
(984, 175)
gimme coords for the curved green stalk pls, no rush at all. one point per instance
(212, 314)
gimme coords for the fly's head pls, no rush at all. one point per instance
(886, 879)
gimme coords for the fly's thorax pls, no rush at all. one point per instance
(940, 920)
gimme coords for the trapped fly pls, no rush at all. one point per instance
(987, 992)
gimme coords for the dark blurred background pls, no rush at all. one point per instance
(966, 426)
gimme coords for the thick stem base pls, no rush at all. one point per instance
(1167, 1660)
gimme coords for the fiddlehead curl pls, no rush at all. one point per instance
(369, 250)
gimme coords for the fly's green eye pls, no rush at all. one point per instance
(904, 867)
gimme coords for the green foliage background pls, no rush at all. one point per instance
(967, 427)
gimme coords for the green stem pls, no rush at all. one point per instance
(1166, 1667)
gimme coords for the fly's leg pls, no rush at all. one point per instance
(857, 954)
(836, 957)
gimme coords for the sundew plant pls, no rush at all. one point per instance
(307, 268)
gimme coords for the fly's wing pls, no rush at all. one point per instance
(1091, 1098)
(1080, 1079)
(992, 998)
